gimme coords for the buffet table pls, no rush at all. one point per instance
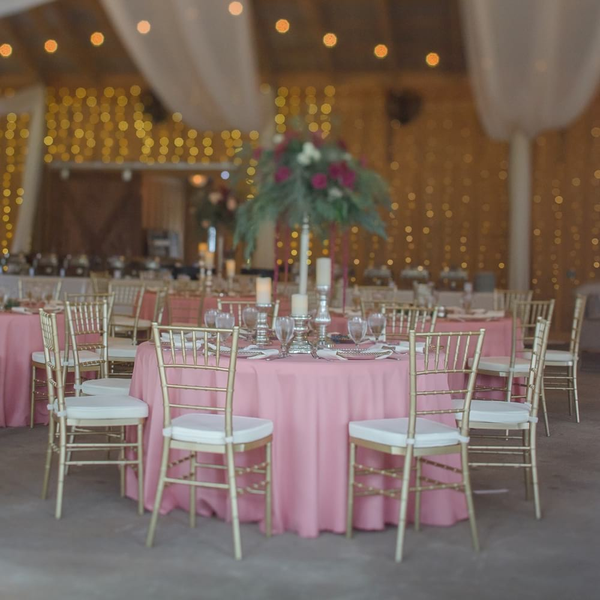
(311, 403)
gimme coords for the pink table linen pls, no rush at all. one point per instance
(20, 335)
(311, 403)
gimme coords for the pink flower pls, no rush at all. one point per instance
(319, 181)
(348, 178)
(282, 174)
(336, 170)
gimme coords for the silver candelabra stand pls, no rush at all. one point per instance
(262, 325)
(322, 318)
(300, 343)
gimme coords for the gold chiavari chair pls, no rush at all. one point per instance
(185, 286)
(94, 297)
(199, 372)
(401, 319)
(100, 281)
(73, 418)
(505, 417)
(38, 288)
(88, 330)
(129, 296)
(417, 437)
(561, 365)
(513, 368)
(236, 308)
(503, 299)
(185, 310)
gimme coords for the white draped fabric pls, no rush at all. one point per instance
(8, 7)
(534, 66)
(31, 100)
(198, 58)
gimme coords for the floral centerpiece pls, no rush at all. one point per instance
(306, 175)
(215, 206)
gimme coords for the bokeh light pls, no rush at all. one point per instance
(51, 46)
(236, 8)
(282, 26)
(380, 51)
(433, 59)
(97, 38)
(330, 40)
(144, 27)
(5, 50)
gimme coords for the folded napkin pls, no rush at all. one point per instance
(24, 310)
(264, 352)
(332, 354)
(477, 316)
(398, 347)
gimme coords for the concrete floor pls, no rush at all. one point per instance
(97, 551)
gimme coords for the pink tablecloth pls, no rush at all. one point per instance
(20, 335)
(311, 403)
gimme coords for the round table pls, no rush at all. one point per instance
(20, 335)
(311, 403)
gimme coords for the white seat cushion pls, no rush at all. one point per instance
(556, 357)
(501, 364)
(125, 351)
(393, 432)
(84, 356)
(495, 411)
(107, 386)
(122, 321)
(119, 341)
(106, 407)
(210, 429)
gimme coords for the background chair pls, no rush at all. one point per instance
(236, 308)
(503, 299)
(401, 319)
(37, 288)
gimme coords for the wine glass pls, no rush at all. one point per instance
(210, 317)
(284, 330)
(250, 317)
(376, 323)
(225, 320)
(357, 330)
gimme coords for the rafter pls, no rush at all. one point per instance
(384, 21)
(9, 32)
(318, 28)
(262, 47)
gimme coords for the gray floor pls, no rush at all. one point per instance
(97, 550)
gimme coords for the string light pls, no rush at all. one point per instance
(330, 40)
(5, 50)
(97, 38)
(51, 46)
(380, 51)
(282, 25)
(236, 8)
(144, 27)
(432, 59)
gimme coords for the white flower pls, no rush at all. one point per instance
(215, 197)
(335, 193)
(309, 154)
(303, 159)
(347, 156)
(277, 138)
(308, 148)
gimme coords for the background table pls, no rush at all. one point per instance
(20, 335)
(311, 403)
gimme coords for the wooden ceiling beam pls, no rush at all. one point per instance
(318, 29)
(262, 46)
(384, 22)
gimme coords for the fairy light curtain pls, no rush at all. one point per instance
(198, 57)
(534, 66)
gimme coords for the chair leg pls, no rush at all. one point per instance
(509, 386)
(403, 503)
(32, 407)
(159, 492)
(350, 509)
(49, 455)
(62, 455)
(526, 470)
(545, 409)
(534, 474)
(140, 467)
(569, 393)
(469, 496)
(573, 374)
(418, 494)
(269, 490)
(192, 490)
(235, 518)
(121, 439)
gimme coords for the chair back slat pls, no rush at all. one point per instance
(402, 318)
(454, 354)
(236, 308)
(504, 299)
(577, 325)
(197, 352)
(55, 376)
(535, 374)
(39, 288)
(525, 316)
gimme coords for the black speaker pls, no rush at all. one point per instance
(153, 107)
(403, 106)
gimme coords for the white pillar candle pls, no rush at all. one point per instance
(209, 260)
(324, 271)
(303, 258)
(299, 305)
(230, 267)
(263, 290)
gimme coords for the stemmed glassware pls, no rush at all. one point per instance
(250, 319)
(284, 330)
(357, 330)
(225, 320)
(210, 317)
(376, 323)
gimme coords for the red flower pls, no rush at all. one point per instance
(348, 178)
(282, 174)
(336, 170)
(319, 181)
